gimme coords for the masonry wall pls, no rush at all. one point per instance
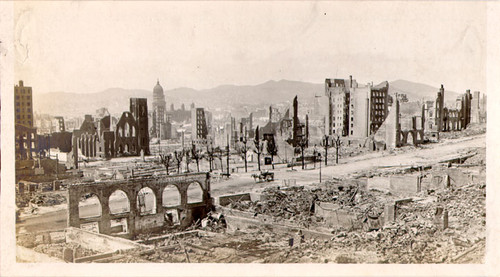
(136, 222)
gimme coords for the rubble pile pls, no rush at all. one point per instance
(56, 250)
(478, 159)
(48, 199)
(296, 204)
(471, 130)
(416, 238)
(40, 199)
(417, 235)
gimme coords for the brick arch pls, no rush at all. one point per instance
(196, 195)
(126, 196)
(178, 194)
(93, 193)
(144, 201)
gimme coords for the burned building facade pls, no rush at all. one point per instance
(478, 108)
(199, 125)
(139, 110)
(300, 131)
(379, 103)
(354, 110)
(186, 196)
(404, 125)
(449, 118)
(26, 138)
(99, 138)
(286, 128)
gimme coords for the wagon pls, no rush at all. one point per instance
(263, 176)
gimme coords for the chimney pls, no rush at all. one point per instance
(350, 81)
(21, 83)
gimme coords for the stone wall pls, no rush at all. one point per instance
(136, 222)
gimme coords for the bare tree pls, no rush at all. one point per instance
(272, 149)
(210, 155)
(178, 155)
(196, 155)
(258, 146)
(166, 160)
(326, 140)
(337, 143)
(187, 154)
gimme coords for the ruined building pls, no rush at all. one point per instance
(25, 133)
(379, 100)
(246, 126)
(24, 105)
(447, 118)
(404, 125)
(338, 94)
(300, 131)
(180, 199)
(139, 110)
(353, 110)
(478, 108)
(199, 125)
(100, 138)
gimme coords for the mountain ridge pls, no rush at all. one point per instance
(70, 104)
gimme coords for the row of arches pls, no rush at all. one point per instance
(139, 205)
(412, 137)
(127, 130)
(119, 202)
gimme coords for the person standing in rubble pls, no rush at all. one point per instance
(312, 209)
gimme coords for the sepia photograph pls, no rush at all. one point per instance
(234, 133)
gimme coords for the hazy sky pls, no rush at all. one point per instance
(90, 46)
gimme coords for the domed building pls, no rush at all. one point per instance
(159, 108)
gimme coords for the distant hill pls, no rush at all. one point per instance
(417, 91)
(116, 100)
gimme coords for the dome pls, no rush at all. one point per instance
(158, 90)
(158, 97)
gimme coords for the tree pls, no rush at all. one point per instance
(326, 140)
(272, 149)
(178, 155)
(303, 145)
(187, 154)
(196, 155)
(337, 143)
(258, 146)
(166, 160)
(243, 149)
(210, 155)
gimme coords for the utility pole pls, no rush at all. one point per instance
(319, 156)
(315, 154)
(57, 166)
(227, 149)
(326, 149)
